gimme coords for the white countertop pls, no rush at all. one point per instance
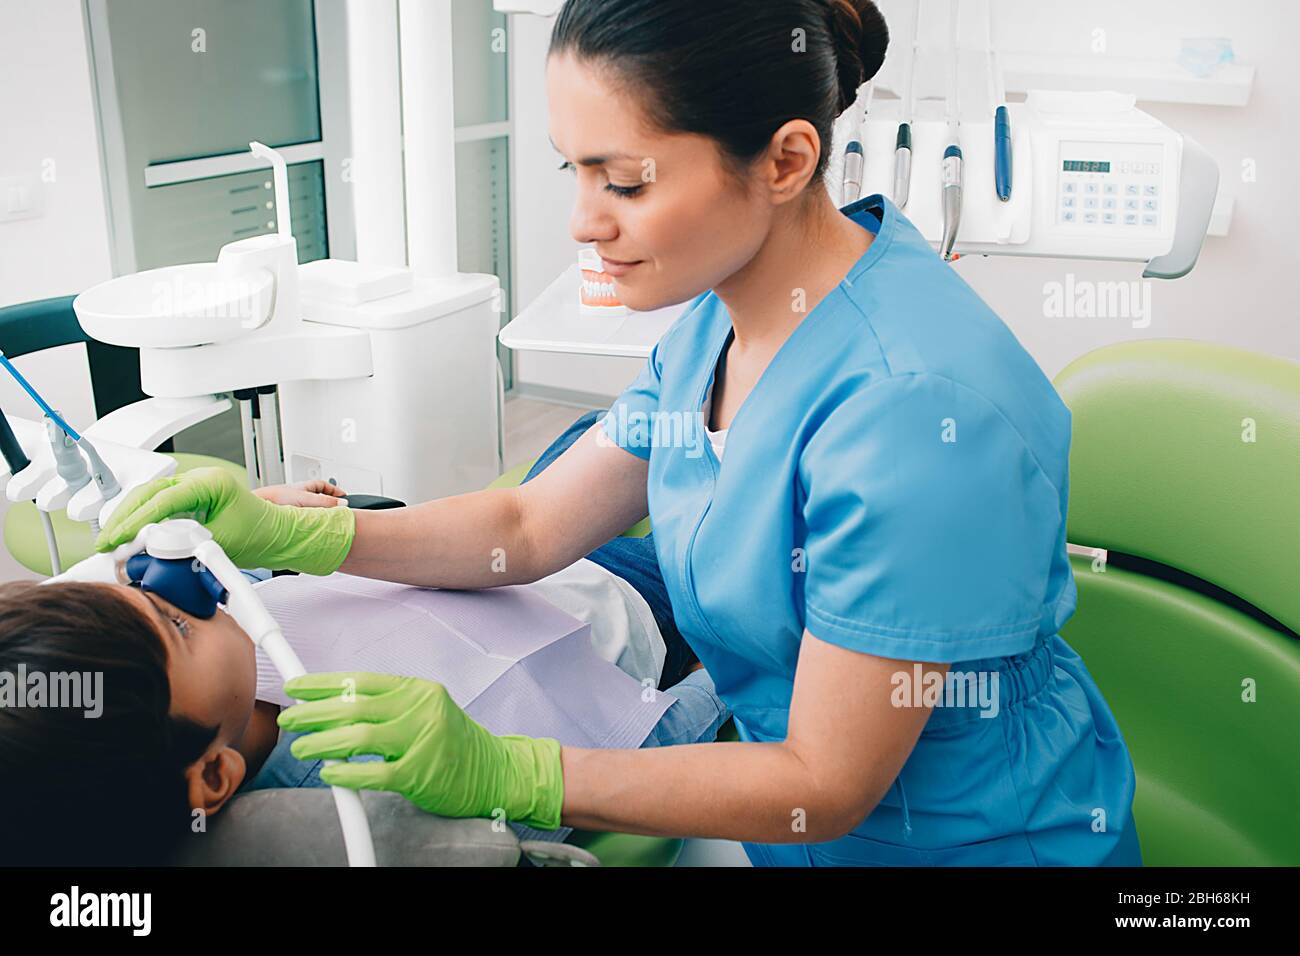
(553, 322)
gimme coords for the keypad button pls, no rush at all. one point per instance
(1149, 220)
(1131, 189)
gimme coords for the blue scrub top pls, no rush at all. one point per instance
(896, 483)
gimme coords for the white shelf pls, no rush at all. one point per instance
(553, 323)
(1159, 81)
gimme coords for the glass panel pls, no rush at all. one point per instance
(196, 78)
(483, 219)
(478, 63)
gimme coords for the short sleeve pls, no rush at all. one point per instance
(930, 527)
(627, 423)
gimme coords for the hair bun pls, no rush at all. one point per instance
(861, 37)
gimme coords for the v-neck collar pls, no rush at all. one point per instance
(874, 210)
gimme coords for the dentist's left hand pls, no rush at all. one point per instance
(253, 533)
(434, 754)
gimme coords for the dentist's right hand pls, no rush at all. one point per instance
(253, 532)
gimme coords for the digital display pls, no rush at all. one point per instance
(1087, 165)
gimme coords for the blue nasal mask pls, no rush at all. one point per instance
(182, 581)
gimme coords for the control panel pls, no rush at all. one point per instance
(1114, 189)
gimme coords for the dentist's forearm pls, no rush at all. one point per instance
(474, 540)
(754, 792)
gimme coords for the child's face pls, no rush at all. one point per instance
(212, 668)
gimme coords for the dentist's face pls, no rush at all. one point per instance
(669, 219)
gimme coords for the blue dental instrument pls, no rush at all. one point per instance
(1001, 115)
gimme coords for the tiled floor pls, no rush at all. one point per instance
(531, 425)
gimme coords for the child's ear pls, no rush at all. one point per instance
(214, 778)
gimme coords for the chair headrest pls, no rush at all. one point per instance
(1188, 454)
(300, 827)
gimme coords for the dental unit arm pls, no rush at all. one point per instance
(179, 560)
(1094, 176)
(72, 473)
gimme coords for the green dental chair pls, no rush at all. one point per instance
(115, 381)
(1185, 468)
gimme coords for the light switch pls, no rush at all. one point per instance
(21, 197)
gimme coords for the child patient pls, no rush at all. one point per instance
(179, 728)
(177, 731)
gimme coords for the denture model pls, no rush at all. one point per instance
(596, 293)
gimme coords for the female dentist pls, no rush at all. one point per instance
(876, 575)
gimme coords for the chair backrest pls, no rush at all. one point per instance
(1185, 466)
(48, 323)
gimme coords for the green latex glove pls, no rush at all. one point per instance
(434, 754)
(254, 533)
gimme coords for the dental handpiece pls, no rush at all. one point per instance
(952, 160)
(1002, 153)
(1002, 160)
(104, 478)
(852, 172)
(903, 141)
(67, 459)
(902, 164)
(951, 199)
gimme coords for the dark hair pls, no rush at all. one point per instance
(80, 790)
(733, 70)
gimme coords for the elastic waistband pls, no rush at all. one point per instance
(991, 685)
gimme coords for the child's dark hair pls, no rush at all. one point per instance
(83, 790)
(733, 70)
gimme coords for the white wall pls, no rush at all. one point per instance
(1241, 291)
(48, 135)
(543, 199)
